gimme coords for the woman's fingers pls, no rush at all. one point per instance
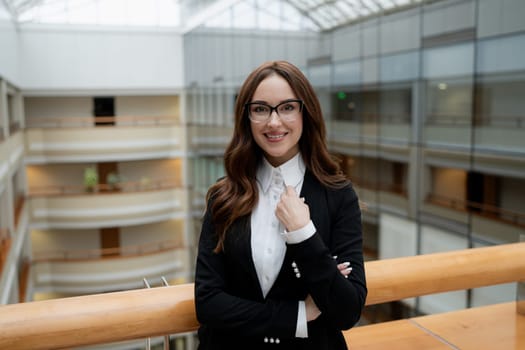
(312, 311)
(291, 210)
(345, 268)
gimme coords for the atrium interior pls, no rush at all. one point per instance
(115, 114)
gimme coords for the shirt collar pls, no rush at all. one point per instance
(292, 172)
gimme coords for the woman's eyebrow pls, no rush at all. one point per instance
(266, 103)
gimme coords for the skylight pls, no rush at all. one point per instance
(318, 15)
(97, 12)
(328, 14)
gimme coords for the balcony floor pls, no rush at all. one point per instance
(489, 327)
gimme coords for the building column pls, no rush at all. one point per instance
(4, 118)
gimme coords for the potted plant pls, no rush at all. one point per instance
(145, 183)
(113, 180)
(90, 179)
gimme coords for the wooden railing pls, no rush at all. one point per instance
(110, 317)
(466, 120)
(82, 122)
(127, 186)
(381, 186)
(113, 253)
(384, 118)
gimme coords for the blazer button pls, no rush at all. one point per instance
(277, 341)
(298, 275)
(294, 265)
(272, 340)
(266, 339)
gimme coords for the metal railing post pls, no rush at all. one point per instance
(148, 340)
(167, 336)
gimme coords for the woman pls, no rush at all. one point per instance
(273, 266)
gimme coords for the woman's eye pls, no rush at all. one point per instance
(287, 107)
(260, 109)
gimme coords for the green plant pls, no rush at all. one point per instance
(145, 182)
(90, 179)
(113, 180)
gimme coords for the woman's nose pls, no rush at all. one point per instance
(274, 118)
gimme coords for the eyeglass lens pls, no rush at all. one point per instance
(287, 110)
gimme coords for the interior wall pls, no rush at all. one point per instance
(154, 106)
(170, 169)
(64, 240)
(449, 183)
(58, 107)
(99, 59)
(162, 231)
(55, 175)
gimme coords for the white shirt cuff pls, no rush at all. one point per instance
(299, 235)
(302, 329)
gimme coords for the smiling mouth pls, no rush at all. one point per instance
(275, 137)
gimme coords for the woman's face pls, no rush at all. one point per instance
(279, 139)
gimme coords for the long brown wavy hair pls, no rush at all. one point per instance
(234, 196)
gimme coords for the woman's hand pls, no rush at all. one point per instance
(312, 311)
(291, 210)
(344, 268)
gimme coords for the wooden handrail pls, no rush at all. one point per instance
(125, 186)
(88, 121)
(110, 317)
(512, 121)
(381, 186)
(506, 215)
(104, 253)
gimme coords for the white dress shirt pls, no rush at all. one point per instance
(268, 240)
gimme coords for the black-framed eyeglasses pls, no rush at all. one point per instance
(288, 110)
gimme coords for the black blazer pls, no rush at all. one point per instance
(229, 303)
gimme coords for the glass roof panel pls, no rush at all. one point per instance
(244, 15)
(317, 15)
(103, 12)
(262, 14)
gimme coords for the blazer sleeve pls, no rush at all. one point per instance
(339, 299)
(220, 309)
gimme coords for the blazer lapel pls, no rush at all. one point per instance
(313, 194)
(240, 244)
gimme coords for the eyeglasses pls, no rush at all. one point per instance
(288, 110)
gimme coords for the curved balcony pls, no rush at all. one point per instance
(11, 154)
(102, 270)
(64, 207)
(209, 140)
(489, 222)
(96, 319)
(353, 137)
(79, 140)
(389, 197)
(456, 130)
